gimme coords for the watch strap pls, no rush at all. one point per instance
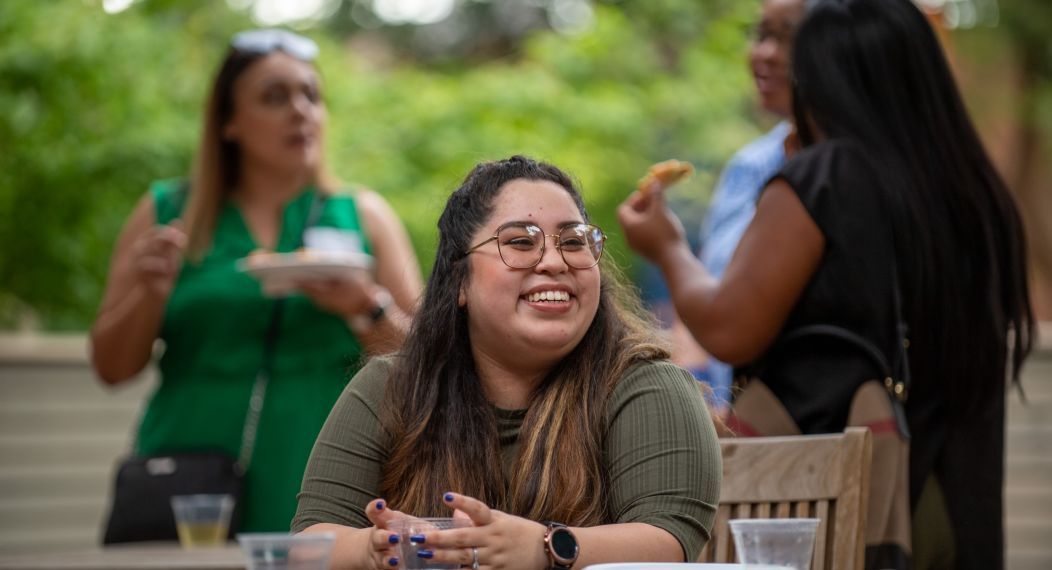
(365, 323)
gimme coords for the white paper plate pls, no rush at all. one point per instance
(280, 272)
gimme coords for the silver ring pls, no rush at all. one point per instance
(474, 558)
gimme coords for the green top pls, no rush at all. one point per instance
(661, 454)
(213, 330)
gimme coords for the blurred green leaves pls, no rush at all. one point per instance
(96, 106)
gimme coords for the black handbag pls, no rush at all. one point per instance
(144, 485)
(895, 376)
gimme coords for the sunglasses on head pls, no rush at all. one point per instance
(271, 39)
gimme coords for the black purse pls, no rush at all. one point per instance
(895, 377)
(144, 485)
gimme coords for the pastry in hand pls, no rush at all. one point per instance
(664, 174)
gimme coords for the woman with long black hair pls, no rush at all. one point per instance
(891, 214)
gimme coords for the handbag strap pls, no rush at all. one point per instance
(901, 387)
(259, 388)
(270, 341)
(896, 378)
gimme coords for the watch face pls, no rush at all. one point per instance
(563, 544)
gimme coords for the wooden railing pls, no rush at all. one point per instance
(60, 433)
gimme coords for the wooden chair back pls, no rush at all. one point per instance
(807, 476)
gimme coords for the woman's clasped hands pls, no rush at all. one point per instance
(491, 539)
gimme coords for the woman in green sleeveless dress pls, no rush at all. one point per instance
(258, 183)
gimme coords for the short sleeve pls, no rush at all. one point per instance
(836, 185)
(663, 457)
(343, 472)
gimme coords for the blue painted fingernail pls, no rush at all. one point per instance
(393, 539)
(424, 554)
(379, 505)
(448, 497)
(393, 561)
(416, 538)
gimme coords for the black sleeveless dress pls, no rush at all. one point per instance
(853, 287)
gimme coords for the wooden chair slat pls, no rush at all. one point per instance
(782, 511)
(820, 476)
(824, 539)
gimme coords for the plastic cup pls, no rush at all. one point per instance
(778, 542)
(202, 521)
(407, 549)
(283, 551)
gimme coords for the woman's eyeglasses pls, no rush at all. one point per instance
(272, 39)
(521, 245)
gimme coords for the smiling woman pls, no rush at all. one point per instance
(526, 392)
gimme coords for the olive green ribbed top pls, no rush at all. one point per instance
(661, 454)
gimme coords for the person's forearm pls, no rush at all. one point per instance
(123, 336)
(692, 290)
(347, 551)
(688, 280)
(628, 542)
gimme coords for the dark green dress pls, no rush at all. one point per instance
(213, 330)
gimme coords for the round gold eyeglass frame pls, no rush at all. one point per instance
(589, 228)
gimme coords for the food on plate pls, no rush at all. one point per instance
(664, 174)
(260, 257)
(264, 257)
(307, 254)
(282, 273)
(304, 257)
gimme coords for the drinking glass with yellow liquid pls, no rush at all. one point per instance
(202, 520)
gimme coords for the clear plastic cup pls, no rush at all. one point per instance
(283, 551)
(778, 542)
(202, 521)
(407, 549)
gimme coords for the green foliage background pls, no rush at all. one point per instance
(98, 105)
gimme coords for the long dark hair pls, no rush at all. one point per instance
(872, 71)
(444, 432)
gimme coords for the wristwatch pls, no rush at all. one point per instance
(364, 323)
(560, 545)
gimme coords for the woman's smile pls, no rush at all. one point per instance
(550, 299)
